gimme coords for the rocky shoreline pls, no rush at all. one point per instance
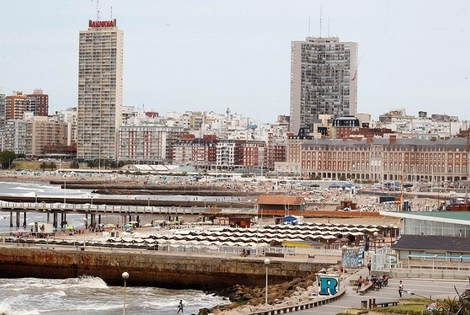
(246, 300)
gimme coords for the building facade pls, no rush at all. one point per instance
(100, 77)
(323, 80)
(381, 159)
(147, 144)
(41, 133)
(41, 102)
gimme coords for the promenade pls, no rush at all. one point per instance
(413, 288)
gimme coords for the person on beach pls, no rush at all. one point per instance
(400, 289)
(180, 307)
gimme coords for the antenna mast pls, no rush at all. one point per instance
(97, 10)
(111, 13)
(321, 8)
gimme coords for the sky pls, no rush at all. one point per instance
(210, 55)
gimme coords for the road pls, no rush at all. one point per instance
(437, 288)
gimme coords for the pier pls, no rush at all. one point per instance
(93, 212)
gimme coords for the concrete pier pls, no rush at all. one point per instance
(148, 268)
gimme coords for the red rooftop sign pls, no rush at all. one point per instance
(102, 23)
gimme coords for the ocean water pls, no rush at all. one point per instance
(91, 295)
(85, 295)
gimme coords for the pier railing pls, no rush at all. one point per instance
(109, 209)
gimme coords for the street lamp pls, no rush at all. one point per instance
(148, 202)
(125, 276)
(4, 232)
(343, 261)
(36, 200)
(91, 197)
(266, 263)
(375, 242)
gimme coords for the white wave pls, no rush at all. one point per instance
(30, 312)
(59, 293)
(5, 308)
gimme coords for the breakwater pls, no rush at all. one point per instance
(149, 268)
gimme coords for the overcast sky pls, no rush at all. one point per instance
(206, 55)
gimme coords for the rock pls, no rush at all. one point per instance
(289, 293)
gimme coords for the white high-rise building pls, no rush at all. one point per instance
(100, 70)
(323, 80)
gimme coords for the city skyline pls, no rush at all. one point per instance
(209, 56)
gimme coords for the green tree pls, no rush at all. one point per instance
(75, 164)
(43, 166)
(92, 163)
(6, 158)
(52, 166)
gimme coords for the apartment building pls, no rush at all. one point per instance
(381, 159)
(229, 154)
(199, 152)
(14, 136)
(18, 103)
(40, 101)
(147, 144)
(254, 154)
(323, 80)
(41, 133)
(100, 74)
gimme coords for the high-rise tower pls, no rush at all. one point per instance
(100, 69)
(323, 80)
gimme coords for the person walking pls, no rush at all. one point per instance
(368, 267)
(400, 289)
(180, 307)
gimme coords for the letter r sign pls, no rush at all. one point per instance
(328, 286)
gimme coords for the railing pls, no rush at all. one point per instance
(97, 208)
(299, 307)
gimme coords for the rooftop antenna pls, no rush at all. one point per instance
(321, 8)
(97, 10)
(111, 13)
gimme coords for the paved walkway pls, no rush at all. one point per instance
(437, 288)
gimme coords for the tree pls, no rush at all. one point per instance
(75, 164)
(6, 158)
(43, 166)
(52, 166)
(92, 163)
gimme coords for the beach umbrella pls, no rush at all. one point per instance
(69, 227)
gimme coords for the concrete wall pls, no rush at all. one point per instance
(149, 268)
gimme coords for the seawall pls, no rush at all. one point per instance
(149, 268)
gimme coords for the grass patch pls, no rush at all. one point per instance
(26, 165)
(409, 306)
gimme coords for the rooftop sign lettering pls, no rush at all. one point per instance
(102, 23)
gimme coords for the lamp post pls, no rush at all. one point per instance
(375, 242)
(65, 190)
(266, 263)
(392, 228)
(125, 276)
(343, 262)
(4, 233)
(91, 197)
(36, 201)
(148, 202)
